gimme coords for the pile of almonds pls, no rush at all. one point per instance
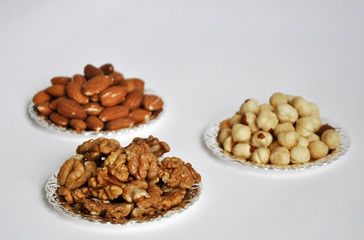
(100, 99)
(286, 131)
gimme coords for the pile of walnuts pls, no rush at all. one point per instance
(100, 99)
(114, 182)
(286, 131)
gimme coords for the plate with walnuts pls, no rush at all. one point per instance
(288, 133)
(107, 183)
(98, 102)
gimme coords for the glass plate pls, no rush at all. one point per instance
(211, 133)
(192, 195)
(53, 127)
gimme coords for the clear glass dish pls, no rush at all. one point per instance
(53, 127)
(192, 195)
(210, 138)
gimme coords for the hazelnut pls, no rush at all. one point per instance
(282, 127)
(302, 106)
(241, 133)
(315, 109)
(226, 132)
(261, 139)
(224, 124)
(303, 142)
(316, 122)
(266, 107)
(318, 149)
(286, 113)
(300, 154)
(288, 139)
(278, 98)
(313, 137)
(260, 155)
(250, 105)
(304, 126)
(249, 119)
(228, 144)
(235, 119)
(280, 156)
(274, 145)
(267, 121)
(331, 138)
(243, 150)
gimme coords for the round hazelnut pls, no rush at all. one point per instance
(286, 113)
(266, 107)
(280, 156)
(300, 154)
(318, 149)
(249, 119)
(313, 137)
(267, 121)
(261, 139)
(274, 145)
(243, 150)
(250, 105)
(316, 122)
(303, 142)
(304, 126)
(282, 127)
(331, 138)
(228, 144)
(241, 133)
(315, 109)
(260, 155)
(288, 139)
(278, 98)
(302, 106)
(225, 124)
(235, 119)
(226, 132)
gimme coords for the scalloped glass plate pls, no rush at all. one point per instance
(211, 133)
(50, 126)
(192, 195)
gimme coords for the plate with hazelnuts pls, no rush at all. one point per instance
(287, 133)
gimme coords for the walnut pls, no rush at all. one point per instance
(139, 212)
(172, 198)
(75, 172)
(180, 176)
(66, 193)
(142, 163)
(116, 165)
(135, 191)
(72, 196)
(94, 148)
(105, 186)
(116, 210)
(107, 193)
(158, 148)
(154, 199)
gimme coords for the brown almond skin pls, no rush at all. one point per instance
(96, 85)
(132, 84)
(58, 119)
(107, 68)
(91, 71)
(112, 95)
(41, 96)
(94, 98)
(43, 108)
(77, 124)
(73, 90)
(114, 112)
(56, 90)
(71, 109)
(78, 78)
(119, 124)
(152, 102)
(93, 108)
(140, 114)
(53, 104)
(134, 99)
(116, 77)
(60, 80)
(94, 123)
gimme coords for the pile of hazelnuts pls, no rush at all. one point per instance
(286, 131)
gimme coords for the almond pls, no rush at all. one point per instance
(94, 123)
(112, 96)
(43, 108)
(94, 98)
(119, 124)
(77, 124)
(91, 71)
(70, 109)
(115, 112)
(92, 108)
(96, 85)
(132, 84)
(117, 77)
(107, 68)
(139, 115)
(133, 99)
(58, 119)
(41, 96)
(78, 78)
(60, 80)
(152, 102)
(53, 104)
(73, 90)
(56, 90)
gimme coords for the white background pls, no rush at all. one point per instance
(205, 58)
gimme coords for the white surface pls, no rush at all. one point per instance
(205, 58)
